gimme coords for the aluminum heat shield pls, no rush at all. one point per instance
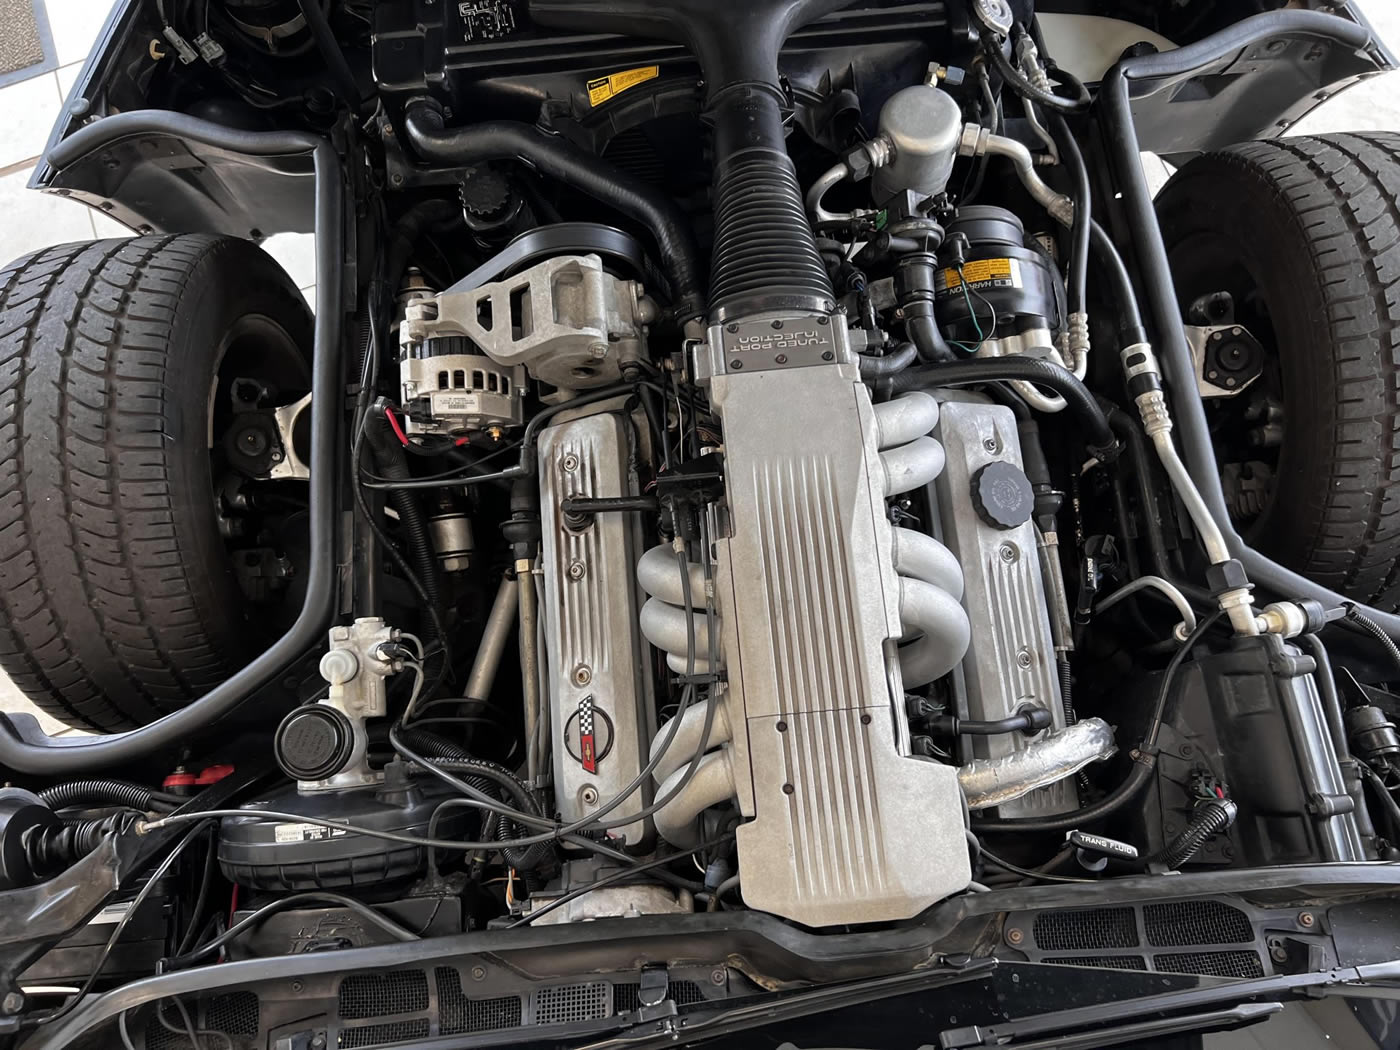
(600, 698)
(1010, 665)
(847, 827)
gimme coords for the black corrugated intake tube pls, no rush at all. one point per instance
(765, 255)
(559, 159)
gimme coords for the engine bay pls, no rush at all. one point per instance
(765, 502)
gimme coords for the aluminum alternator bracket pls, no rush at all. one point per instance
(567, 320)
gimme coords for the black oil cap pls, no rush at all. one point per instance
(314, 742)
(1002, 495)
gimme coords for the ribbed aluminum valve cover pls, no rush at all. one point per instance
(600, 696)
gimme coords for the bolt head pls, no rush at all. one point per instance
(589, 796)
(13, 1003)
(1014, 936)
(569, 462)
(777, 324)
(583, 674)
(478, 973)
(990, 444)
(828, 356)
(780, 359)
(1023, 658)
(1008, 553)
(718, 976)
(396, 179)
(576, 570)
(736, 364)
(598, 350)
(1306, 919)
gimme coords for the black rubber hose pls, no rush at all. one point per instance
(914, 282)
(98, 791)
(331, 53)
(928, 340)
(1153, 267)
(487, 777)
(176, 728)
(1144, 759)
(409, 230)
(1032, 721)
(1073, 159)
(1033, 370)
(897, 360)
(391, 463)
(1017, 82)
(583, 171)
(1211, 818)
(1124, 296)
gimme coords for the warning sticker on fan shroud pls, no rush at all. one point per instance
(305, 833)
(604, 88)
(982, 275)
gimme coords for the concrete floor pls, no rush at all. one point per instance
(1370, 106)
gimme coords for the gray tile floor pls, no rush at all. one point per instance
(29, 108)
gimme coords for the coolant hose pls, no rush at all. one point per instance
(897, 360)
(1029, 369)
(583, 171)
(391, 462)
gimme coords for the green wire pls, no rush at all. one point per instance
(967, 298)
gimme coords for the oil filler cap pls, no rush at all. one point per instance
(314, 742)
(1002, 496)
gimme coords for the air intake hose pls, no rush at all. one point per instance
(765, 257)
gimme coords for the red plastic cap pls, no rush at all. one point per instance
(213, 774)
(179, 780)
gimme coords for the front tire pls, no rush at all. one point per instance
(1304, 235)
(118, 597)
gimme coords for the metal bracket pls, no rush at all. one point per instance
(291, 466)
(1227, 357)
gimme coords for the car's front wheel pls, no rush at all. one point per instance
(144, 552)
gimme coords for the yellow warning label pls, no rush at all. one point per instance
(999, 271)
(604, 88)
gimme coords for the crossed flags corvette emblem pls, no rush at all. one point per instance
(587, 742)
